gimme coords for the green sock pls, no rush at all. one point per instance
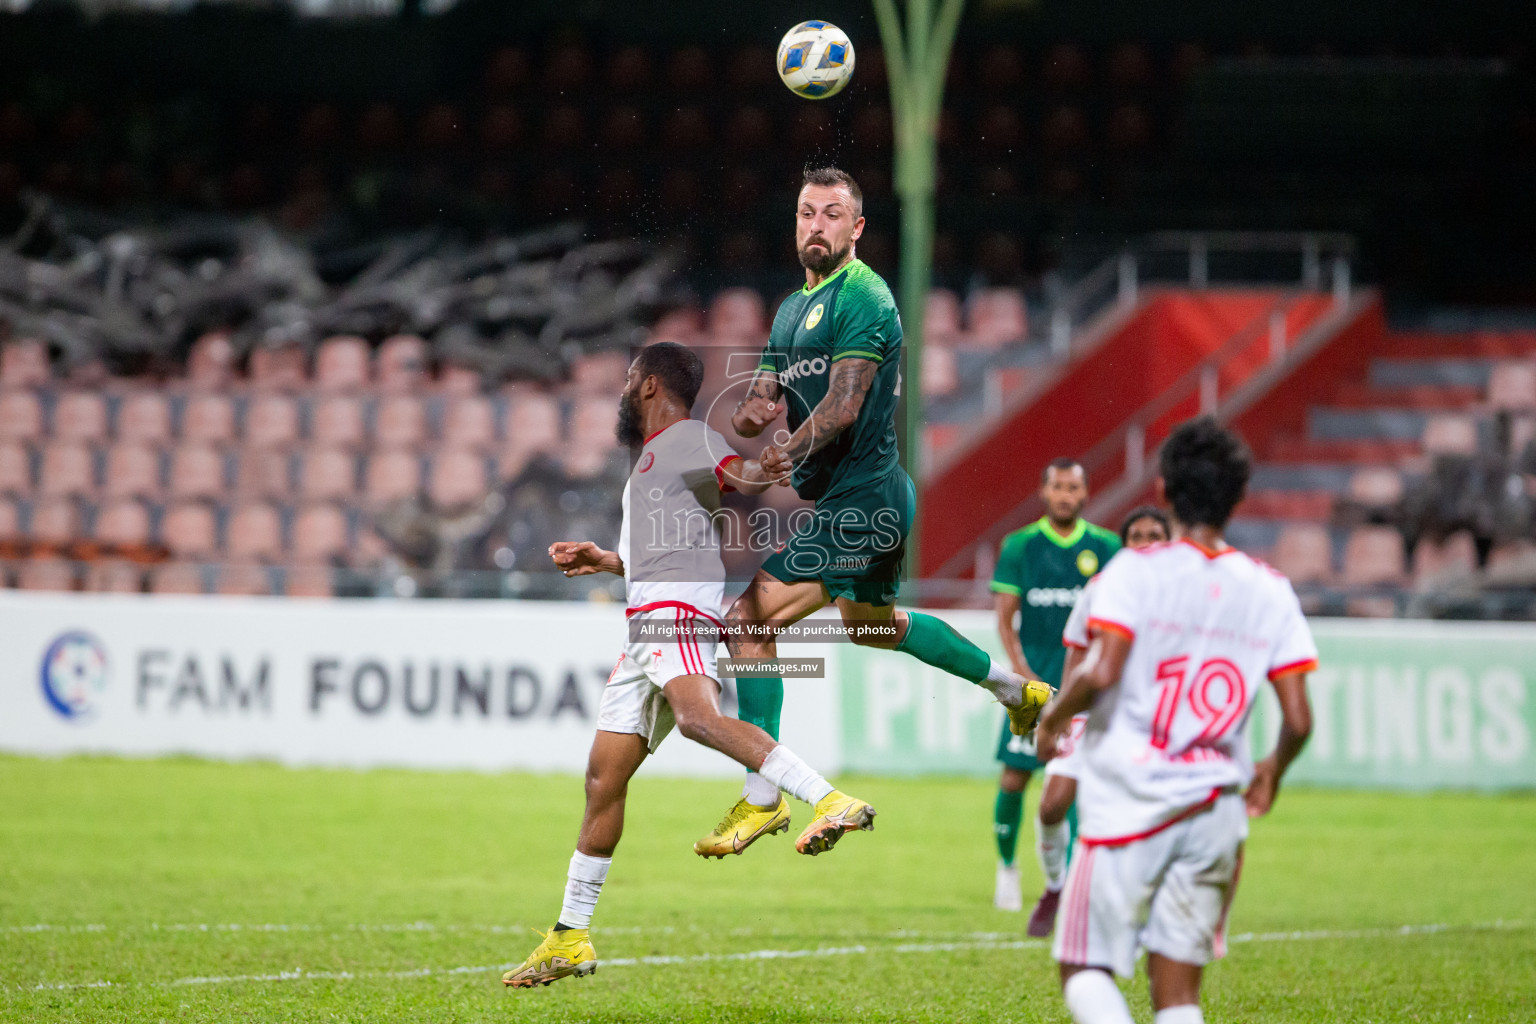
(760, 699)
(1071, 830)
(934, 642)
(1007, 813)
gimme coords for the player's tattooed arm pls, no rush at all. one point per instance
(583, 558)
(761, 406)
(747, 476)
(846, 390)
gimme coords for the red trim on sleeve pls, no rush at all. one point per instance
(1073, 646)
(720, 471)
(1307, 665)
(1154, 830)
(1110, 626)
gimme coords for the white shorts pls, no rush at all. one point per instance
(1065, 762)
(1167, 894)
(634, 702)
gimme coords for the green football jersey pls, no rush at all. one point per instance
(1047, 572)
(849, 315)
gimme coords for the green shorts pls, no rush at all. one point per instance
(854, 543)
(1017, 752)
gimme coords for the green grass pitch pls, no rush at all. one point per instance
(178, 890)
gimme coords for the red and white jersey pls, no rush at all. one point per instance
(670, 537)
(1207, 630)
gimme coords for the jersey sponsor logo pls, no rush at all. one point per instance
(1052, 597)
(814, 316)
(648, 461)
(1087, 562)
(804, 368)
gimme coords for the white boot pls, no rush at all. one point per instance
(1007, 895)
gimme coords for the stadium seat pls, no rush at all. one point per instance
(264, 474)
(1437, 564)
(23, 364)
(1000, 68)
(593, 421)
(600, 374)
(379, 127)
(10, 521)
(271, 421)
(176, 578)
(629, 68)
(319, 535)
(197, 471)
(401, 364)
(748, 129)
(941, 318)
(458, 478)
(326, 474)
(997, 317)
(55, 523)
(1129, 129)
(1373, 556)
(508, 69)
(254, 533)
(1511, 565)
(21, 416)
(341, 364)
(46, 572)
(337, 421)
(737, 314)
(531, 425)
(209, 419)
(686, 128)
(211, 363)
(391, 476)
(1512, 385)
(242, 580)
(470, 422)
(1450, 434)
(400, 421)
(998, 130)
(308, 581)
(1304, 553)
(68, 469)
(501, 127)
(123, 525)
(1130, 66)
(684, 325)
(1066, 67)
(190, 530)
(940, 373)
(145, 417)
(15, 469)
(80, 416)
(277, 367)
(1065, 130)
(114, 576)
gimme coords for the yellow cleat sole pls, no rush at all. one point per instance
(822, 836)
(739, 846)
(579, 971)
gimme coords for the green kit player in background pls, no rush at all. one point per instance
(833, 364)
(1040, 574)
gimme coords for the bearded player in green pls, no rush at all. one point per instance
(833, 364)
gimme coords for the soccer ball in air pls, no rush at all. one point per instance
(815, 59)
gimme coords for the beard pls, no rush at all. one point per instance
(823, 264)
(627, 429)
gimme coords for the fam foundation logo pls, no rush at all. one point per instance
(74, 674)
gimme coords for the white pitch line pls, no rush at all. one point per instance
(979, 945)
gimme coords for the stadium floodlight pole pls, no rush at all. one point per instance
(915, 61)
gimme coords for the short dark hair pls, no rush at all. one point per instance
(677, 367)
(1205, 471)
(1065, 462)
(831, 177)
(1143, 512)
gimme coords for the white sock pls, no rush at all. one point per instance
(782, 768)
(583, 884)
(1051, 850)
(1003, 683)
(1094, 998)
(759, 791)
(1189, 1013)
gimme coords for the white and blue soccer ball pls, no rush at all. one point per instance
(815, 59)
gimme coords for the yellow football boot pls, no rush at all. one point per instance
(742, 826)
(560, 955)
(1021, 719)
(836, 813)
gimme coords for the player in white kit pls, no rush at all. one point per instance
(1182, 636)
(669, 554)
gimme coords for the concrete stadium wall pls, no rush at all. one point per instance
(516, 685)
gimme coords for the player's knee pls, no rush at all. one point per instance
(602, 788)
(697, 724)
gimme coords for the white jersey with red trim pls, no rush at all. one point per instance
(670, 537)
(1207, 630)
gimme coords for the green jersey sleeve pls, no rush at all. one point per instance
(1008, 577)
(866, 324)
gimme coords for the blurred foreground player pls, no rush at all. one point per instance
(666, 676)
(1144, 526)
(1041, 569)
(833, 361)
(1183, 635)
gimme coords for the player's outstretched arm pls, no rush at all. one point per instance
(747, 476)
(761, 406)
(1295, 727)
(1099, 669)
(846, 390)
(583, 558)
